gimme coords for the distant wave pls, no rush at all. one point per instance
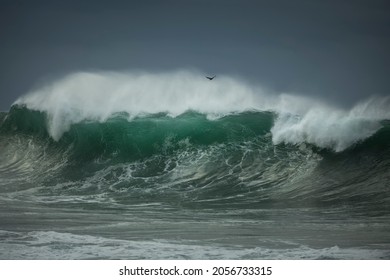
(98, 97)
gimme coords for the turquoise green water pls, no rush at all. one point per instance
(159, 187)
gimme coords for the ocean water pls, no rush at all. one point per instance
(173, 166)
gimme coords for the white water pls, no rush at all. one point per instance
(96, 96)
(57, 245)
(329, 127)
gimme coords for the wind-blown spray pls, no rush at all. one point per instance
(98, 96)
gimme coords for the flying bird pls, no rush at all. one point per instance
(210, 78)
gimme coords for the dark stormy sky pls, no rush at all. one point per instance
(335, 50)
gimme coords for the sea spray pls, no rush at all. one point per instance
(96, 97)
(328, 127)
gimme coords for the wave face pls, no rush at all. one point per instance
(132, 160)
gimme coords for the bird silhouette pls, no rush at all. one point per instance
(210, 78)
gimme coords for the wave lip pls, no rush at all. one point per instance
(331, 128)
(336, 131)
(96, 97)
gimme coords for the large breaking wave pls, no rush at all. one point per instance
(97, 97)
(181, 130)
(133, 159)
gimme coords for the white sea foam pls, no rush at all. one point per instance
(62, 245)
(96, 96)
(328, 127)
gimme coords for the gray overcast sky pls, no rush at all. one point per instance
(336, 50)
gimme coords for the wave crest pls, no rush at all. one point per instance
(85, 96)
(327, 127)
(97, 96)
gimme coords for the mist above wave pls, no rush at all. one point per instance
(97, 96)
(87, 96)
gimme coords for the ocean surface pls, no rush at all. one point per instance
(142, 166)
